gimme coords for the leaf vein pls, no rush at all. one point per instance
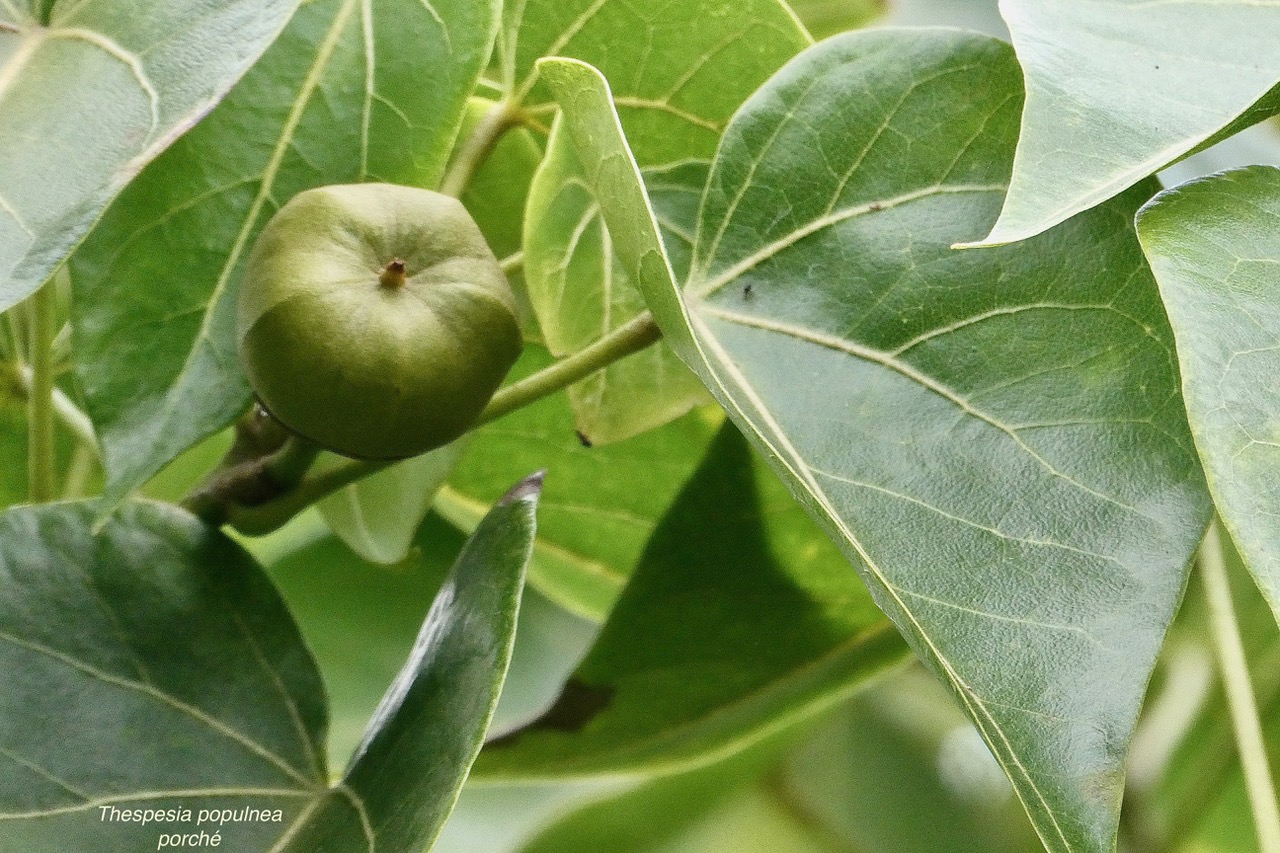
(144, 796)
(148, 690)
(928, 382)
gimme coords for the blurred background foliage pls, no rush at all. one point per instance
(896, 768)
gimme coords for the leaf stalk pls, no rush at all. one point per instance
(41, 468)
(500, 118)
(1240, 696)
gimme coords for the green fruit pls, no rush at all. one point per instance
(374, 320)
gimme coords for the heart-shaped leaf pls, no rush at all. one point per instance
(1116, 91)
(338, 98)
(1214, 247)
(995, 438)
(91, 92)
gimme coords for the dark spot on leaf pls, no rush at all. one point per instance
(875, 205)
(579, 703)
(582, 438)
(746, 291)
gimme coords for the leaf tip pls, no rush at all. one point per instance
(528, 488)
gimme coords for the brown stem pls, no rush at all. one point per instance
(264, 462)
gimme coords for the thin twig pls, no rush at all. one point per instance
(41, 467)
(1240, 697)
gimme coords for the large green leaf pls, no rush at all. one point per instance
(994, 438)
(676, 88)
(741, 617)
(600, 504)
(1214, 245)
(93, 91)
(1116, 90)
(406, 775)
(152, 666)
(338, 98)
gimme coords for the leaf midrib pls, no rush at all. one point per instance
(195, 713)
(888, 360)
(700, 289)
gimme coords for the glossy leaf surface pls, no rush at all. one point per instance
(168, 675)
(337, 99)
(1116, 90)
(90, 93)
(994, 438)
(405, 776)
(1217, 277)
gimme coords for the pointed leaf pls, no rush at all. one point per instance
(1115, 92)
(1015, 410)
(152, 666)
(406, 775)
(92, 93)
(675, 87)
(682, 673)
(1214, 246)
(338, 98)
